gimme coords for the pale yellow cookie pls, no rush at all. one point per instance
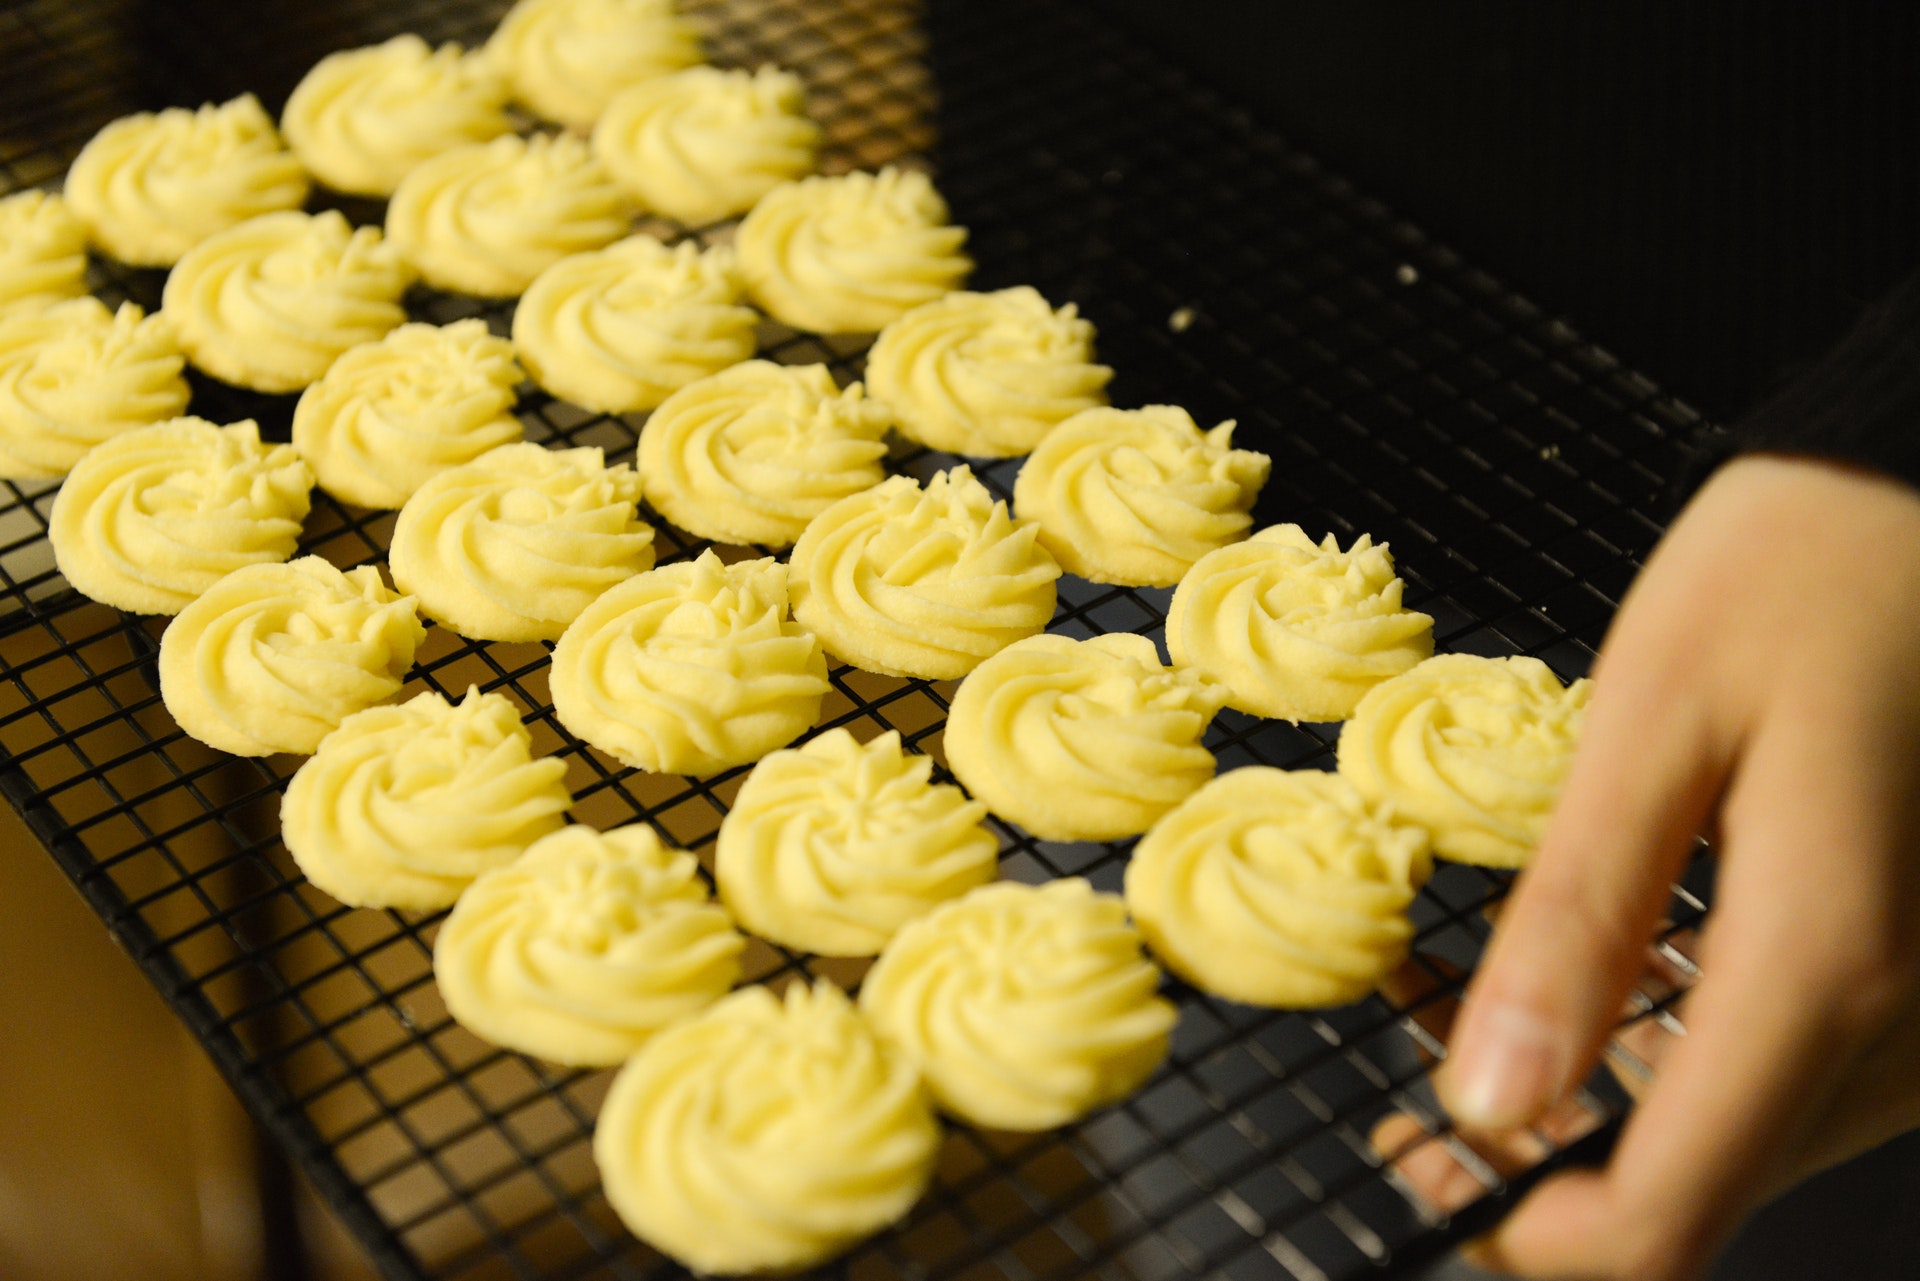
(1081, 740)
(704, 144)
(1473, 749)
(403, 806)
(1278, 887)
(488, 218)
(391, 415)
(585, 947)
(988, 375)
(513, 545)
(621, 330)
(766, 1134)
(150, 519)
(273, 657)
(832, 847)
(927, 582)
(1136, 496)
(271, 303)
(690, 668)
(1296, 632)
(73, 374)
(566, 59)
(852, 253)
(1026, 1007)
(753, 453)
(363, 119)
(151, 186)
(43, 251)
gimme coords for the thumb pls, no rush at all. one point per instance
(1572, 940)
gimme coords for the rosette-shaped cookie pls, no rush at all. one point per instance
(403, 806)
(1473, 749)
(927, 582)
(850, 254)
(363, 119)
(513, 545)
(1296, 632)
(151, 186)
(391, 415)
(150, 519)
(831, 847)
(273, 657)
(1081, 740)
(1278, 887)
(566, 59)
(43, 251)
(488, 218)
(1136, 496)
(621, 330)
(753, 453)
(691, 668)
(767, 1134)
(987, 375)
(704, 144)
(585, 946)
(1025, 1007)
(74, 374)
(271, 303)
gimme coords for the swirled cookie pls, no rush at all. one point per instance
(1296, 632)
(852, 253)
(273, 657)
(152, 185)
(363, 119)
(404, 806)
(585, 946)
(1025, 1007)
(704, 144)
(566, 59)
(988, 375)
(271, 303)
(513, 545)
(911, 582)
(1136, 496)
(767, 1134)
(43, 251)
(621, 330)
(1081, 740)
(690, 668)
(150, 519)
(486, 219)
(391, 415)
(74, 374)
(1278, 887)
(1473, 749)
(833, 846)
(753, 453)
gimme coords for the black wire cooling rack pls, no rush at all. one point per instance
(1515, 470)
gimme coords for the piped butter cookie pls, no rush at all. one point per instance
(404, 806)
(1297, 631)
(585, 947)
(930, 582)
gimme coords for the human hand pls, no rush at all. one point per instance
(1763, 674)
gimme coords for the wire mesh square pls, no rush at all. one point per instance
(1515, 470)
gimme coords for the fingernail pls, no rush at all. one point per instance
(1507, 1071)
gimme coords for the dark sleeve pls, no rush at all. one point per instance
(1860, 404)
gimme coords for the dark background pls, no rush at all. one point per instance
(1708, 190)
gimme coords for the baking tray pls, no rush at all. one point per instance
(1516, 470)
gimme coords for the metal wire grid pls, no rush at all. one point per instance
(1514, 469)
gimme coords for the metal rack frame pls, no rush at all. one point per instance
(1515, 469)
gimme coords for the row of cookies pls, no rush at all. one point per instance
(591, 948)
